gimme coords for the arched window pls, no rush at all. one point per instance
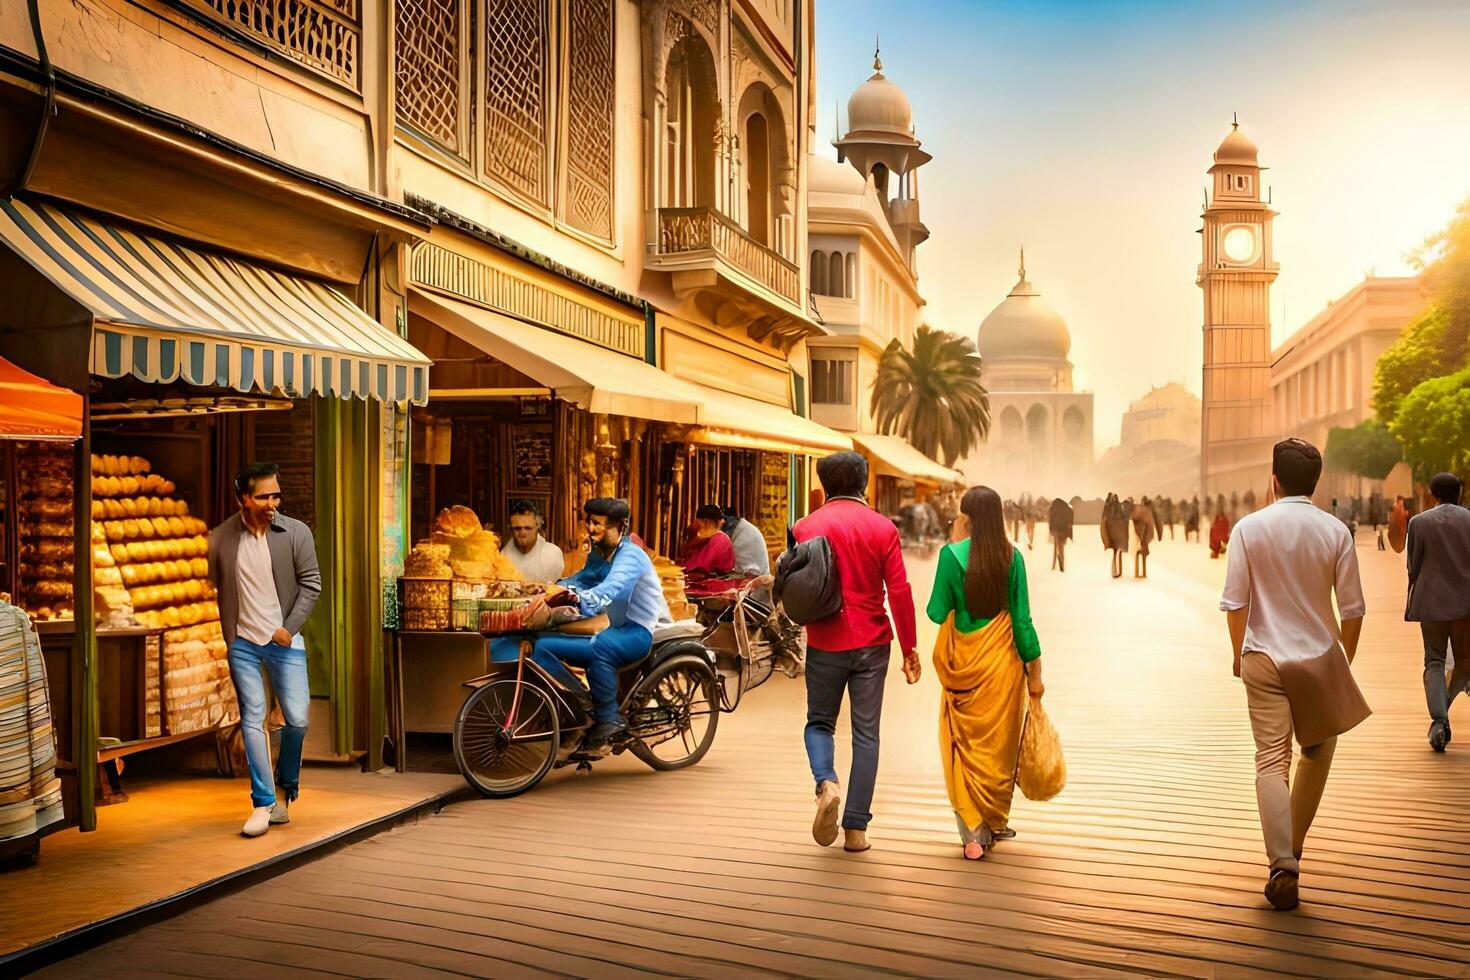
(1010, 425)
(1037, 433)
(757, 152)
(689, 130)
(819, 273)
(880, 181)
(1073, 424)
(851, 275)
(835, 275)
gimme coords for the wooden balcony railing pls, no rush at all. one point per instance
(683, 230)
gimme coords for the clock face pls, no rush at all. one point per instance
(1239, 244)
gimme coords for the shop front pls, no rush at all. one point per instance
(543, 391)
(189, 363)
(899, 475)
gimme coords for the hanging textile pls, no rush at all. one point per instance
(30, 793)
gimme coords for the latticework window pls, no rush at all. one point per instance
(324, 34)
(589, 116)
(429, 67)
(517, 36)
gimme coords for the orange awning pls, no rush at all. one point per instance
(31, 408)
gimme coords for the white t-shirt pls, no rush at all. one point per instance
(1285, 563)
(259, 614)
(543, 563)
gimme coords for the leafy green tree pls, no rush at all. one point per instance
(1368, 450)
(1433, 424)
(1430, 346)
(932, 396)
(1437, 343)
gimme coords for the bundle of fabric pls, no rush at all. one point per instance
(30, 793)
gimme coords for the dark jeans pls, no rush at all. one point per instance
(1437, 640)
(601, 656)
(861, 674)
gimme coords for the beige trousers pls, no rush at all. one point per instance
(1286, 810)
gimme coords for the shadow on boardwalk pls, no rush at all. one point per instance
(1151, 861)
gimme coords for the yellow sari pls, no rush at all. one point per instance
(981, 716)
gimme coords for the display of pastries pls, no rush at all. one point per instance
(147, 543)
(45, 530)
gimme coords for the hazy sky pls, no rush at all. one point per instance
(1083, 130)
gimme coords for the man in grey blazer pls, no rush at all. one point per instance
(1438, 551)
(264, 567)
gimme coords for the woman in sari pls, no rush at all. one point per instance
(988, 660)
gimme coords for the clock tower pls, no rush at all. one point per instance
(1236, 272)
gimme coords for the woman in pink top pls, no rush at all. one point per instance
(710, 553)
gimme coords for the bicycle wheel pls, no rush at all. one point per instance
(499, 761)
(673, 714)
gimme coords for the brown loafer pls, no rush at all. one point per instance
(1281, 890)
(855, 841)
(824, 824)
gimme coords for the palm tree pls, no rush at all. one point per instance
(932, 396)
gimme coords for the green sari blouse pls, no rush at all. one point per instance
(948, 596)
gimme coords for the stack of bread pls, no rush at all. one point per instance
(159, 550)
(45, 531)
(159, 555)
(474, 550)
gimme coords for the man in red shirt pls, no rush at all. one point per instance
(848, 651)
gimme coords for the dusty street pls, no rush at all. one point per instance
(1151, 861)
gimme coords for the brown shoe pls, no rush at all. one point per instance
(855, 841)
(1281, 890)
(824, 824)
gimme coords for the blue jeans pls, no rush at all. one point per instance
(287, 669)
(861, 674)
(601, 656)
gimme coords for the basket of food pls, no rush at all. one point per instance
(424, 603)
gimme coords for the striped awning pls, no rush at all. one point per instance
(165, 312)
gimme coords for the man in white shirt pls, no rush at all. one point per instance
(264, 566)
(537, 559)
(1285, 563)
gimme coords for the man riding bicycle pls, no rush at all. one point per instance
(619, 580)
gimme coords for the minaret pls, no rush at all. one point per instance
(880, 144)
(1236, 273)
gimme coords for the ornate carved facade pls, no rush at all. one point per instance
(515, 78)
(322, 36)
(591, 83)
(431, 69)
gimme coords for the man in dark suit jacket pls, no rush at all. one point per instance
(1439, 598)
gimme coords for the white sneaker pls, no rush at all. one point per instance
(281, 812)
(259, 822)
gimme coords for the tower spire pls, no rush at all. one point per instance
(1023, 263)
(877, 61)
(1235, 120)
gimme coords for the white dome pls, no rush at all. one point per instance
(827, 176)
(1024, 326)
(879, 106)
(1237, 148)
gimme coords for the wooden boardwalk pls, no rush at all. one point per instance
(1150, 863)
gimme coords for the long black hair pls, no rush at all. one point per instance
(988, 575)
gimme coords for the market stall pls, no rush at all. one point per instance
(191, 364)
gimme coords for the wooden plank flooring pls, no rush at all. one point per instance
(1150, 863)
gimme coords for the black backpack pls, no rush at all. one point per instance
(806, 582)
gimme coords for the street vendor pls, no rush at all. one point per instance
(709, 552)
(537, 559)
(619, 580)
